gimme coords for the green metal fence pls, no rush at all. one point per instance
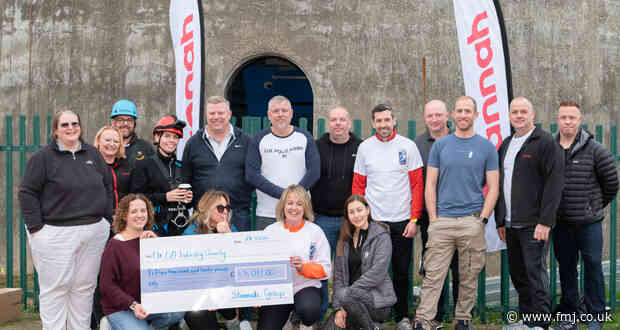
(251, 125)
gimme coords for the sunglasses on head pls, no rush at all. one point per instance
(220, 208)
(73, 124)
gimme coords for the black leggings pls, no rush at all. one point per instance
(206, 319)
(361, 313)
(307, 305)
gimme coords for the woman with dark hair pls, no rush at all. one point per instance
(120, 268)
(363, 291)
(65, 197)
(109, 142)
(212, 216)
(310, 259)
(159, 178)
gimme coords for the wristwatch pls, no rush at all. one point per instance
(485, 220)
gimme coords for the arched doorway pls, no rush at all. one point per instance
(261, 78)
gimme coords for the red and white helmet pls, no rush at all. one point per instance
(169, 123)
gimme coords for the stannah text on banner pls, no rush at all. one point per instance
(186, 40)
(198, 272)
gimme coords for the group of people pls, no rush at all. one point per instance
(352, 208)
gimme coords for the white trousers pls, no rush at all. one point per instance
(67, 260)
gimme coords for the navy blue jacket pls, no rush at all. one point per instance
(205, 172)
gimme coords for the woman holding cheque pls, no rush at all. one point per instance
(310, 258)
(119, 279)
(212, 216)
(363, 291)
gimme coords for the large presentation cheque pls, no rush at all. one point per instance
(197, 272)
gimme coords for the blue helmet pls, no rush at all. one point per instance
(124, 108)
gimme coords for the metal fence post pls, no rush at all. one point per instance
(8, 126)
(613, 226)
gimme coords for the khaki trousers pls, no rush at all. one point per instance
(445, 236)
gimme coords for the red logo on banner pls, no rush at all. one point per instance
(484, 55)
(188, 61)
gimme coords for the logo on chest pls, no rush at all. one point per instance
(402, 157)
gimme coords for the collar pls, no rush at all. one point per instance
(294, 229)
(390, 138)
(60, 148)
(231, 132)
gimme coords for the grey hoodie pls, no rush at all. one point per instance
(376, 255)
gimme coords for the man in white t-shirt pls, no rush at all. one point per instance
(277, 157)
(388, 172)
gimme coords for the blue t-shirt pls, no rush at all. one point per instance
(462, 165)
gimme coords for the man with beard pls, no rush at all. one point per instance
(123, 117)
(459, 165)
(388, 171)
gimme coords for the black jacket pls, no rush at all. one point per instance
(121, 178)
(62, 188)
(205, 172)
(138, 149)
(149, 179)
(334, 185)
(591, 181)
(537, 182)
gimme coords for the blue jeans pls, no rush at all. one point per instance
(241, 219)
(127, 320)
(331, 229)
(570, 240)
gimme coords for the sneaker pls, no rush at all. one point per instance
(404, 324)
(464, 325)
(566, 325)
(427, 325)
(104, 324)
(305, 327)
(245, 325)
(232, 324)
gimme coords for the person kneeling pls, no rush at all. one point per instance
(310, 259)
(363, 291)
(212, 216)
(119, 278)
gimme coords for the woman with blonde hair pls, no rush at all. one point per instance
(212, 216)
(109, 142)
(363, 291)
(310, 259)
(120, 268)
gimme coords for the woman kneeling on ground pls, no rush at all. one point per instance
(119, 280)
(363, 290)
(212, 216)
(310, 259)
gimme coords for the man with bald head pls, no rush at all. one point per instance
(531, 182)
(436, 117)
(337, 148)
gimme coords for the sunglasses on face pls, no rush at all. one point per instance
(220, 208)
(72, 124)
